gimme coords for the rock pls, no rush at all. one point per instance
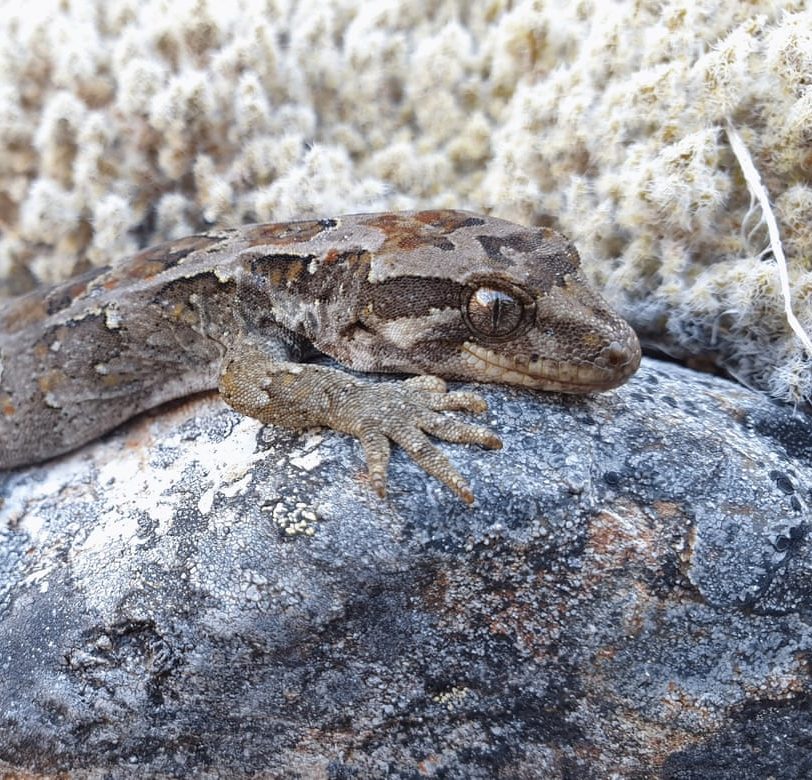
(196, 595)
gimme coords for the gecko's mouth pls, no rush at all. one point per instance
(548, 374)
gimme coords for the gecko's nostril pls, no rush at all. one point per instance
(616, 354)
(621, 356)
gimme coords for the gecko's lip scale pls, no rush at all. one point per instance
(611, 368)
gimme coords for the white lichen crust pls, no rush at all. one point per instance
(123, 123)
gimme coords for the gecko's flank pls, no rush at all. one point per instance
(436, 293)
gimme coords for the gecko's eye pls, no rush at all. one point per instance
(497, 314)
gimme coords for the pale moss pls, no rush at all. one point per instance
(49, 210)
(111, 219)
(687, 187)
(794, 207)
(788, 51)
(215, 195)
(56, 137)
(606, 119)
(322, 181)
(173, 215)
(724, 73)
(791, 137)
(12, 252)
(139, 80)
(95, 168)
(472, 144)
(252, 109)
(407, 170)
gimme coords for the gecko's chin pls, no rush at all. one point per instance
(622, 361)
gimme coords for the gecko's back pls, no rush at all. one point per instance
(449, 293)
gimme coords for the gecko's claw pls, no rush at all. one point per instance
(376, 450)
(405, 413)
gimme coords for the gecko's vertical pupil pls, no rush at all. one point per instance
(494, 313)
(496, 308)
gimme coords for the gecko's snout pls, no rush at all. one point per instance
(621, 357)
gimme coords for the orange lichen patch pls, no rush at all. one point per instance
(605, 654)
(429, 765)
(22, 312)
(285, 232)
(622, 536)
(659, 742)
(523, 624)
(778, 686)
(668, 510)
(435, 592)
(50, 380)
(41, 351)
(737, 509)
(6, 406)
(115, 379)
(678, 702)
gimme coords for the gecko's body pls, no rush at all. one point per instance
(442, 293)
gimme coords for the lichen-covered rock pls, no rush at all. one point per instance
(196, 595)
(123, 124)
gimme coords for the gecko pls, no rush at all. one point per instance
(440, 295)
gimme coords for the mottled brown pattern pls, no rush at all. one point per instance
(154, 261)
(448, 221)
(144, 265)
(310, 277)
(50, 380)
(64, 295)
(444, 293)
(406, 233)
(412, 296)
(181, 248)
(283, 233)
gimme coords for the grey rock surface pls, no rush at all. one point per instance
(198, 596)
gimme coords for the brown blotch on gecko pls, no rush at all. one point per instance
(435, 293)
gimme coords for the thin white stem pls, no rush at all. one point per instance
(759, 192)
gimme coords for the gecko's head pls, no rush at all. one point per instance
(511, 306)
(564, 339)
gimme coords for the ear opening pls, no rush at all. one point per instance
(356, 329)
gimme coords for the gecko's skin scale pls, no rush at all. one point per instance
(438, 293)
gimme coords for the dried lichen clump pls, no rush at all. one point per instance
(124, 122)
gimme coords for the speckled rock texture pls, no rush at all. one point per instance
(126, 122)
(198, 596)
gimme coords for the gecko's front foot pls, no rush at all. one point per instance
(299, 396)
(405, 413)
